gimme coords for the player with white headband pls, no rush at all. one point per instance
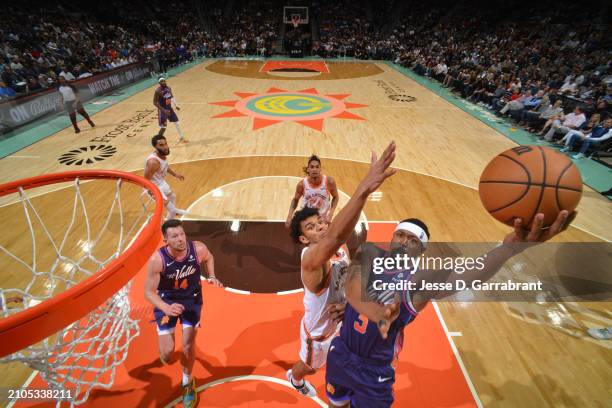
(360, 360)
(411, 230)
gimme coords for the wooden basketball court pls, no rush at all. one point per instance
(251, 128)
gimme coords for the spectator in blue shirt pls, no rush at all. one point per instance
(6, 91)
(533, 102)
(608, 97)
(598, 135)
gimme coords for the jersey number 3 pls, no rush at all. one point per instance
(361, 324)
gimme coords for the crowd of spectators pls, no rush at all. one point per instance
(35, 50)
(531, 62)
(345, 31)
(250, 30)
(38, 47)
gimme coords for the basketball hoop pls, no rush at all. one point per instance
(73, 322)
(295, 20)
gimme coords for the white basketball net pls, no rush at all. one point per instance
(85, 354)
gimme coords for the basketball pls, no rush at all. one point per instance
(526, 180)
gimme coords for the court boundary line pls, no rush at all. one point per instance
(16, 156)
(238, 291)
(326, 68)
(290, 292)
(26, 384)
(260, 70)
(250, 377)
(449, 337)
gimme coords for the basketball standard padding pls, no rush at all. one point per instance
(526, 180)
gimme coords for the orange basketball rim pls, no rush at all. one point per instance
(43, 320)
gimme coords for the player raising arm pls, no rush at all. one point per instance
(325, 261)
(359, 364)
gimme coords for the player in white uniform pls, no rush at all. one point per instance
(316, 190)
(324, 269)
(156, 168)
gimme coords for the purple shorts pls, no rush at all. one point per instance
(189, 318)
(350, 378)
(162, 118)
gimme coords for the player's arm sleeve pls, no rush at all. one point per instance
(153, 275)
(174, 102)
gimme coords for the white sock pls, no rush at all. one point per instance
(186, 378)
(173, 210)
(178, 129)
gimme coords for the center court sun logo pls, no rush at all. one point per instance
(306, 107)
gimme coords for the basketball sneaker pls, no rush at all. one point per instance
(190, 396)
(578, 156)
(601, 334)
(305, 389)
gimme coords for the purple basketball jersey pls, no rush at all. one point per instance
(165, 98)
(180, 278)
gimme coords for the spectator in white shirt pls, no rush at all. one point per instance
(16, 65)
(66, 74)
(569, 86)
(441, 69)
(571, 121)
